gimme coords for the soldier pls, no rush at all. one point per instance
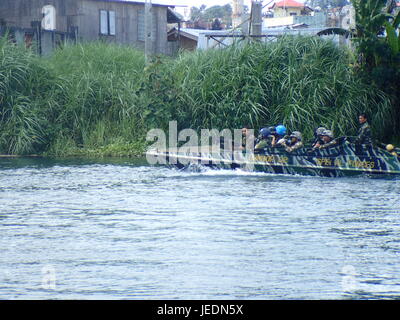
(294, 142)
(364, 133)
(263, 137)
(318, 138)
(278, 134)
(327, 139)
(245, 136)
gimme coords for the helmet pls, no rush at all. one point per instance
(297, 135)
(319, 131)
(390, 147)
(272, 129)
(265, 132)
(327, 133)
(281, 130)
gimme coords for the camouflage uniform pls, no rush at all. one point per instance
(297, 145)
(289, 147)
(262, 144)
(364, 134)
(327, 144)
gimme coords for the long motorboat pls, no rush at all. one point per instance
(343, 159)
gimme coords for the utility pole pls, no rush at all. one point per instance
(148, 31)
(256, 18)
(237, 13)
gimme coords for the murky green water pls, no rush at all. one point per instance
(73, 229)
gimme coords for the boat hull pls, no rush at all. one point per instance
(344, 159)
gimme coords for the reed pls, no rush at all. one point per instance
(99, 86)
(24, 81)
(302, 82)
(98, 98)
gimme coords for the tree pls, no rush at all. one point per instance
(216, 25)
(377, 42)
(195, 13)
(372, 20)
(370, 24)
(207, 15)
(325, 4)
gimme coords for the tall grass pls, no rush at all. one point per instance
(98, 96)
(302, 82)
(97, 99)
(23, 80)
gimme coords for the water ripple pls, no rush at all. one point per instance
(120, 229)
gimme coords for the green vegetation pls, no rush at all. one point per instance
(301, 82)
(377, 47)
(324, 4)
(83, 96)
(24, 87)
(202, 15)
(99, 99)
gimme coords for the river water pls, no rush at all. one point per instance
(120, 229)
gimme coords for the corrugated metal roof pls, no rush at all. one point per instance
(193, 32)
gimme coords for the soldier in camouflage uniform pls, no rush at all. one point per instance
(327, 139)
(263, 138)
(294, 142)
(364, 133)
(318, 138)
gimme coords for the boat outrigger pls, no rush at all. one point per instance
(343, 159)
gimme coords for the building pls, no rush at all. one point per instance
(237, 13)
(287, 8)
(348, 17)
(119, 21)
(183, 39)
(288, 13)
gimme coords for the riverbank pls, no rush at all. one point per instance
(135, 149)
(99, 99)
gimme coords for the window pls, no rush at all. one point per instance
(111, 23)
(107, 22)
(293, 13)
(103, 22)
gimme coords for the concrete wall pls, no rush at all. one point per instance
(126, 23)
(276, 22)
(348, 17)
(20, 13)
(319, 19)
(85, 15)
(126, 27)
(43, 42)
(284, 12)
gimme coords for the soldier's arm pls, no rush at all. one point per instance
(329, 144)
(296, 146)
